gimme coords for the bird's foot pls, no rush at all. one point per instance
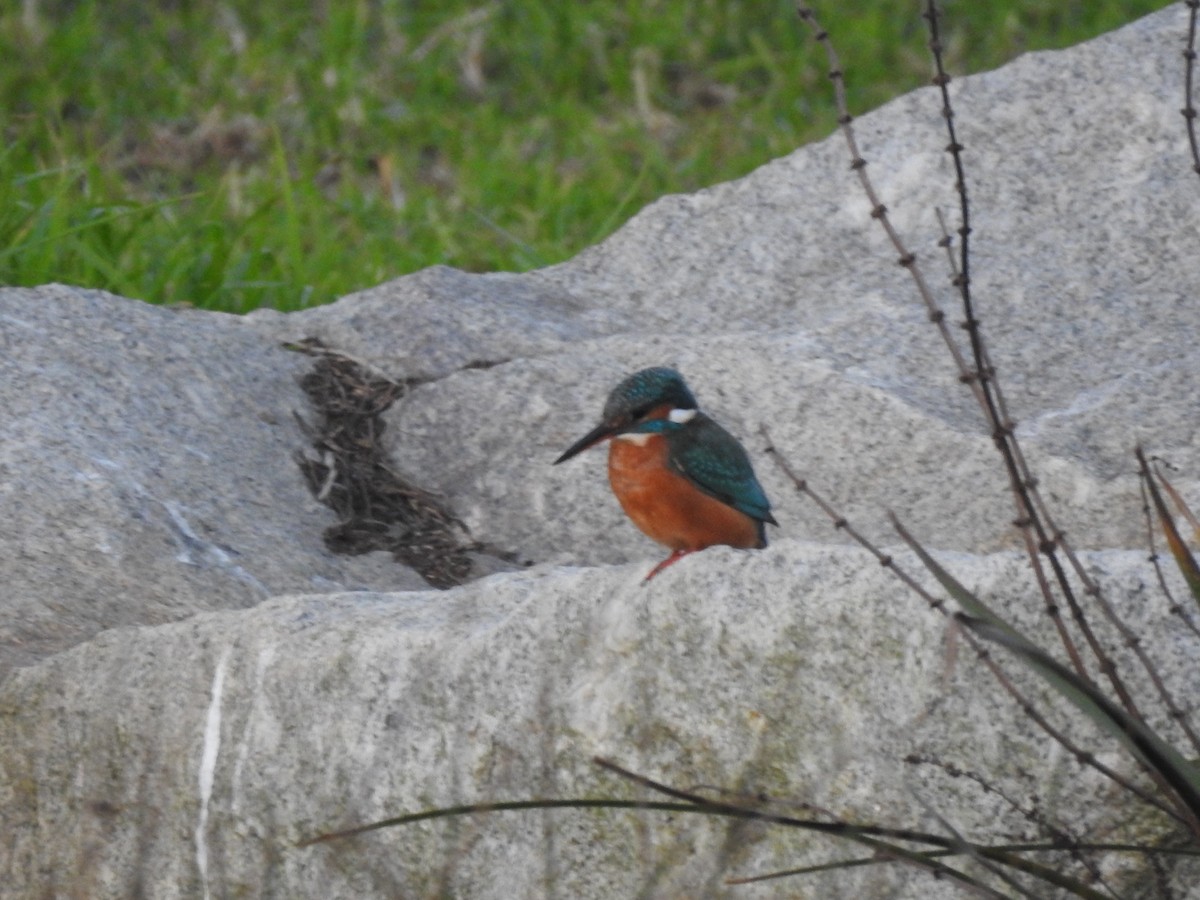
(675, 556)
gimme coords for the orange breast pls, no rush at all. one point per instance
(666, 506)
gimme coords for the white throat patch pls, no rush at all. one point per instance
(681, 416)
(636, 438)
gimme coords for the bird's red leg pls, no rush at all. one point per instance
(675, 556)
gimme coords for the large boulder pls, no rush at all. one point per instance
(780, 300)
(191, 759)
(145, 471)
(149, 476)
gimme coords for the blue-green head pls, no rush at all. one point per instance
(644, 397)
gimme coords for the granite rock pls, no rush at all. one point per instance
(148, 478)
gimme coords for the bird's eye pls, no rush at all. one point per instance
(641, 412)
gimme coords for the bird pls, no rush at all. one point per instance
(684, 480)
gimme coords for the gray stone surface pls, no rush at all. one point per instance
(146, 472)
(188, 758)
(802, 672)
(781, 302)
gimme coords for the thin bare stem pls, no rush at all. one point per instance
(1155, 560)
(1129, 637)
(1023, 484)
(841, 523)
(868, 836)
(975, 378)
(1153, 853)
(1189, 54)
(1082, 756)
(1042, 537)
(1006, 442)
(906, 259)
(1059, 834)
(1003, 428)
(1023, 521)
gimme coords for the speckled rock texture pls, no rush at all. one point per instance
(146, 472)
(146, 476)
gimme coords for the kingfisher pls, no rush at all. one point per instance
(684, 480)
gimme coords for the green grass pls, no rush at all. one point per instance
(238, 154)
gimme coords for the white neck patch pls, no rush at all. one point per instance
(681, 416)
(638, 439)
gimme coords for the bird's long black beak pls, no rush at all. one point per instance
(593, 437)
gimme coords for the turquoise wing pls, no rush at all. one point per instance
(713, 460)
